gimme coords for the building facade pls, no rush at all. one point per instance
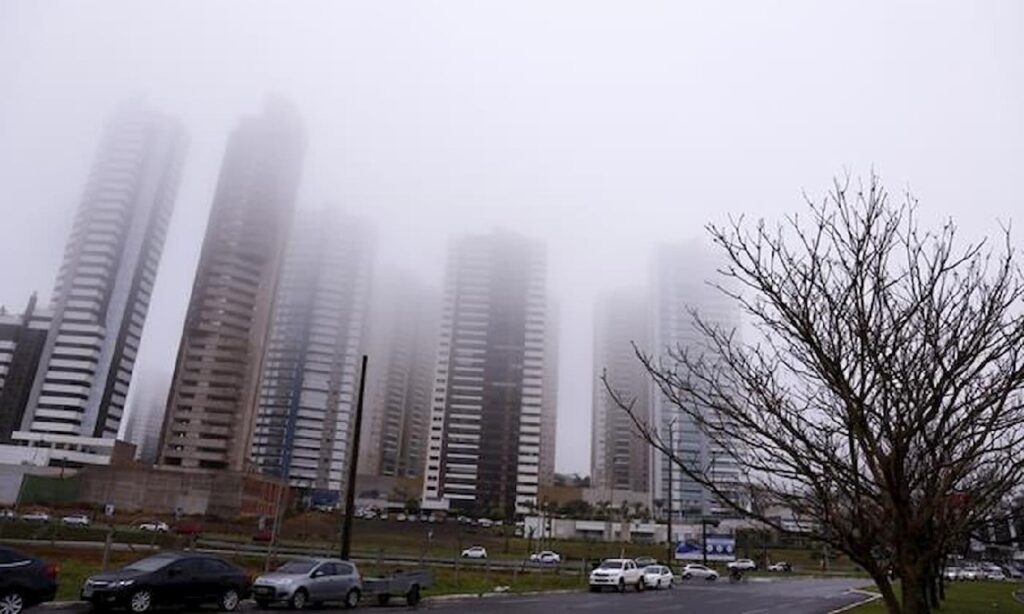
(99, 304)
(309, 387)
(22, 337)
(404, 335)
(486, 445)
(681, 276)
(620, 459)
(211, 408)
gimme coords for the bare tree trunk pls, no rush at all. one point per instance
(892, 603)
(915, 592)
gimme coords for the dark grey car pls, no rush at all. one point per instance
(300, 582)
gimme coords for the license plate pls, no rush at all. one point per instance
(262, 590)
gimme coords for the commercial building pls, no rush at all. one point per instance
(487, 443)
(403, 351)
(681, 276)
(77, 396)
(620, 459)
(212, 404)
(306, 405)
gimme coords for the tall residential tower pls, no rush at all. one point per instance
(681, 287)
(487, 444)
(620, 459)
(308, 393)
(99, 305)
(211, 408)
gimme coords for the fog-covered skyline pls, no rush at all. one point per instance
(602, 129)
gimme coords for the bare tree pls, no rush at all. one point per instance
(880, 396)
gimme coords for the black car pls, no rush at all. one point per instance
(24, 581)
(169, 578)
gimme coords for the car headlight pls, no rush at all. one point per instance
(123, 583)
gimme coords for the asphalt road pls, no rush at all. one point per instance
(755, 596)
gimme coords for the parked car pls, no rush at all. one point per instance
(645, 561)
(475, 552)
(1012, 572)
(303, 581)
(75, 520)
(24, 581)
(36, 517)
(169, 578)
(970, 572)
(400, 517)
(188, 527)
(991, 571)
(693, 570)
(658, 576)
(780, 566)
(953, 574)
(547, 557)
(485, 523)
(618, 574)
(7, 514)
(154, 526)
(741, 565)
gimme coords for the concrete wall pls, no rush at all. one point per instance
(163, 490)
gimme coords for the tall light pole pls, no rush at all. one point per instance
(350, 490)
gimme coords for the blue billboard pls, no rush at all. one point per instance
(719, 548)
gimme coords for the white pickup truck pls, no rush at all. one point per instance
(618, 574)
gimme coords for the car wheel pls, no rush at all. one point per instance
(140, 601)
(262, 604)
(413, 596)
(622, 586)
(299, 599)
(229, 600)
(11, 603)
(352, 598)
(712, 578)
(641, 585)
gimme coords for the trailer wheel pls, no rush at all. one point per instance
(413, 596)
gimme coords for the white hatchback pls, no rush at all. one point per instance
(658, 576)
(476, 552)
(694, 570)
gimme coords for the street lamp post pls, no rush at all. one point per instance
(671, 454)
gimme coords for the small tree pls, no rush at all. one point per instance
(880, 400)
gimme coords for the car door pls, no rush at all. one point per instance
(320, 582)
(345, 579)
(177, 583)
(216, 577)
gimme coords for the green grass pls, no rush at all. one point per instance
(966, 598)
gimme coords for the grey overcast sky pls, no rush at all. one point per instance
(603, 128)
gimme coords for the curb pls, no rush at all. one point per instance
(491, 595)
(870, 596)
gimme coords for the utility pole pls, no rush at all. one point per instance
(350, 488)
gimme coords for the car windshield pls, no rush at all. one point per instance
(611, 565)
(152, 563)
(296, 567)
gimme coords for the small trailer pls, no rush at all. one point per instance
(406, 584)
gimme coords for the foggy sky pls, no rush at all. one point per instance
(602, 128)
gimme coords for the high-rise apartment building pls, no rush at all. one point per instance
(99, 305)
(211, 408)
(486, 441)
(22, 337)
(620, 459)
(309, 388)
(680, 287)
(147, 401)
(403, 353)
